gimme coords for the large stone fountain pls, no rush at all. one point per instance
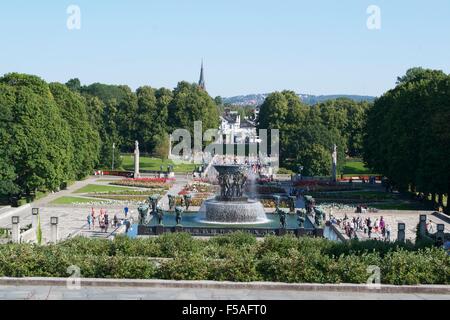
(231, 206)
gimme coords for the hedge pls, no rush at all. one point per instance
(235, 257)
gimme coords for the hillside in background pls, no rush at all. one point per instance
(258, 99)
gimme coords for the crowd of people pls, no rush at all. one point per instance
(377, 229)
(103, 221)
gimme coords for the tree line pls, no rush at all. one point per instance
(51, 133)
(407, 134)
(308, 134)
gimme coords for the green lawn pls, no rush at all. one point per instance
(95, 188)
(356, 167)
(153, 164)
(399, 206)
(72, 200)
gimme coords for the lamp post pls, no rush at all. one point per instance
(113, 149)
(15, 230)
(34, 217)
(54, 229)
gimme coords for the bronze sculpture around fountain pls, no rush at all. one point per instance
(231, 205)
(172, 202)
(178, 213)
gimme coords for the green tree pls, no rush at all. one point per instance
(85, 140)
(38, 136)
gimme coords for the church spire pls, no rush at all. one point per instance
(201, 82)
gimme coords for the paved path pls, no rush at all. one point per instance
(163, 293)
(72, 219)
(392, 217)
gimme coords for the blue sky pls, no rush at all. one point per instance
(317, 47)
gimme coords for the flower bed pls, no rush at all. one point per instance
(145, 183)
(199, 187)
(270, 203)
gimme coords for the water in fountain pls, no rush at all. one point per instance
(231, 206)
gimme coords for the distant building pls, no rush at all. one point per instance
(234, 130)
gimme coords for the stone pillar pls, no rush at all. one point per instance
(401, 232)
(423, 225)
(15, 231)
(136, 160)
(34, 218)
(334, 164)
(54, 230)
(440, 234)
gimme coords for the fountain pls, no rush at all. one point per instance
(231, 206)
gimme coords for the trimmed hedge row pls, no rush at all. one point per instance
(235, 257)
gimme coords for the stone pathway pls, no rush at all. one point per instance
(164, 293)
(392, 217)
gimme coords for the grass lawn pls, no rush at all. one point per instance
(399, 206)
(356, 167)
(153, 164)
(95, 188)
(72, 200)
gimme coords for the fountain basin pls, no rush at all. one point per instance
(245, 211)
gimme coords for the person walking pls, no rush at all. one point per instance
(430, 227)
(115, 221)
(101, 223)
(125, 210)
(93, 218)
(382, 227)
(89, 221)
(127, 226)
(106, 218)
(388, 233)
(369, 227)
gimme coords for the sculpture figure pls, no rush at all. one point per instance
(143, 214)
(292, 200)
(319, 216)
(178, 212)
(301, 218)
(172, 202)
(282, 215)
(187, 201)
(309, 204)
(153, 200)
(277, 198)
(160, 215)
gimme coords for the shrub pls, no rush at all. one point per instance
(186, 267)
(239, 267)
(234, 257)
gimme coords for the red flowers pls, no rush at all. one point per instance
(155, 180)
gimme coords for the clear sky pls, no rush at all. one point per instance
(249, 46)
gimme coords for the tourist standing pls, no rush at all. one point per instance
(388, 232)
(382, 227)
(106, 221)
(101, 223)
(93, 218)
(89, 221)
(369, 227)
(115, 221)
(125, 210)
(430, 227)
(127, 226)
